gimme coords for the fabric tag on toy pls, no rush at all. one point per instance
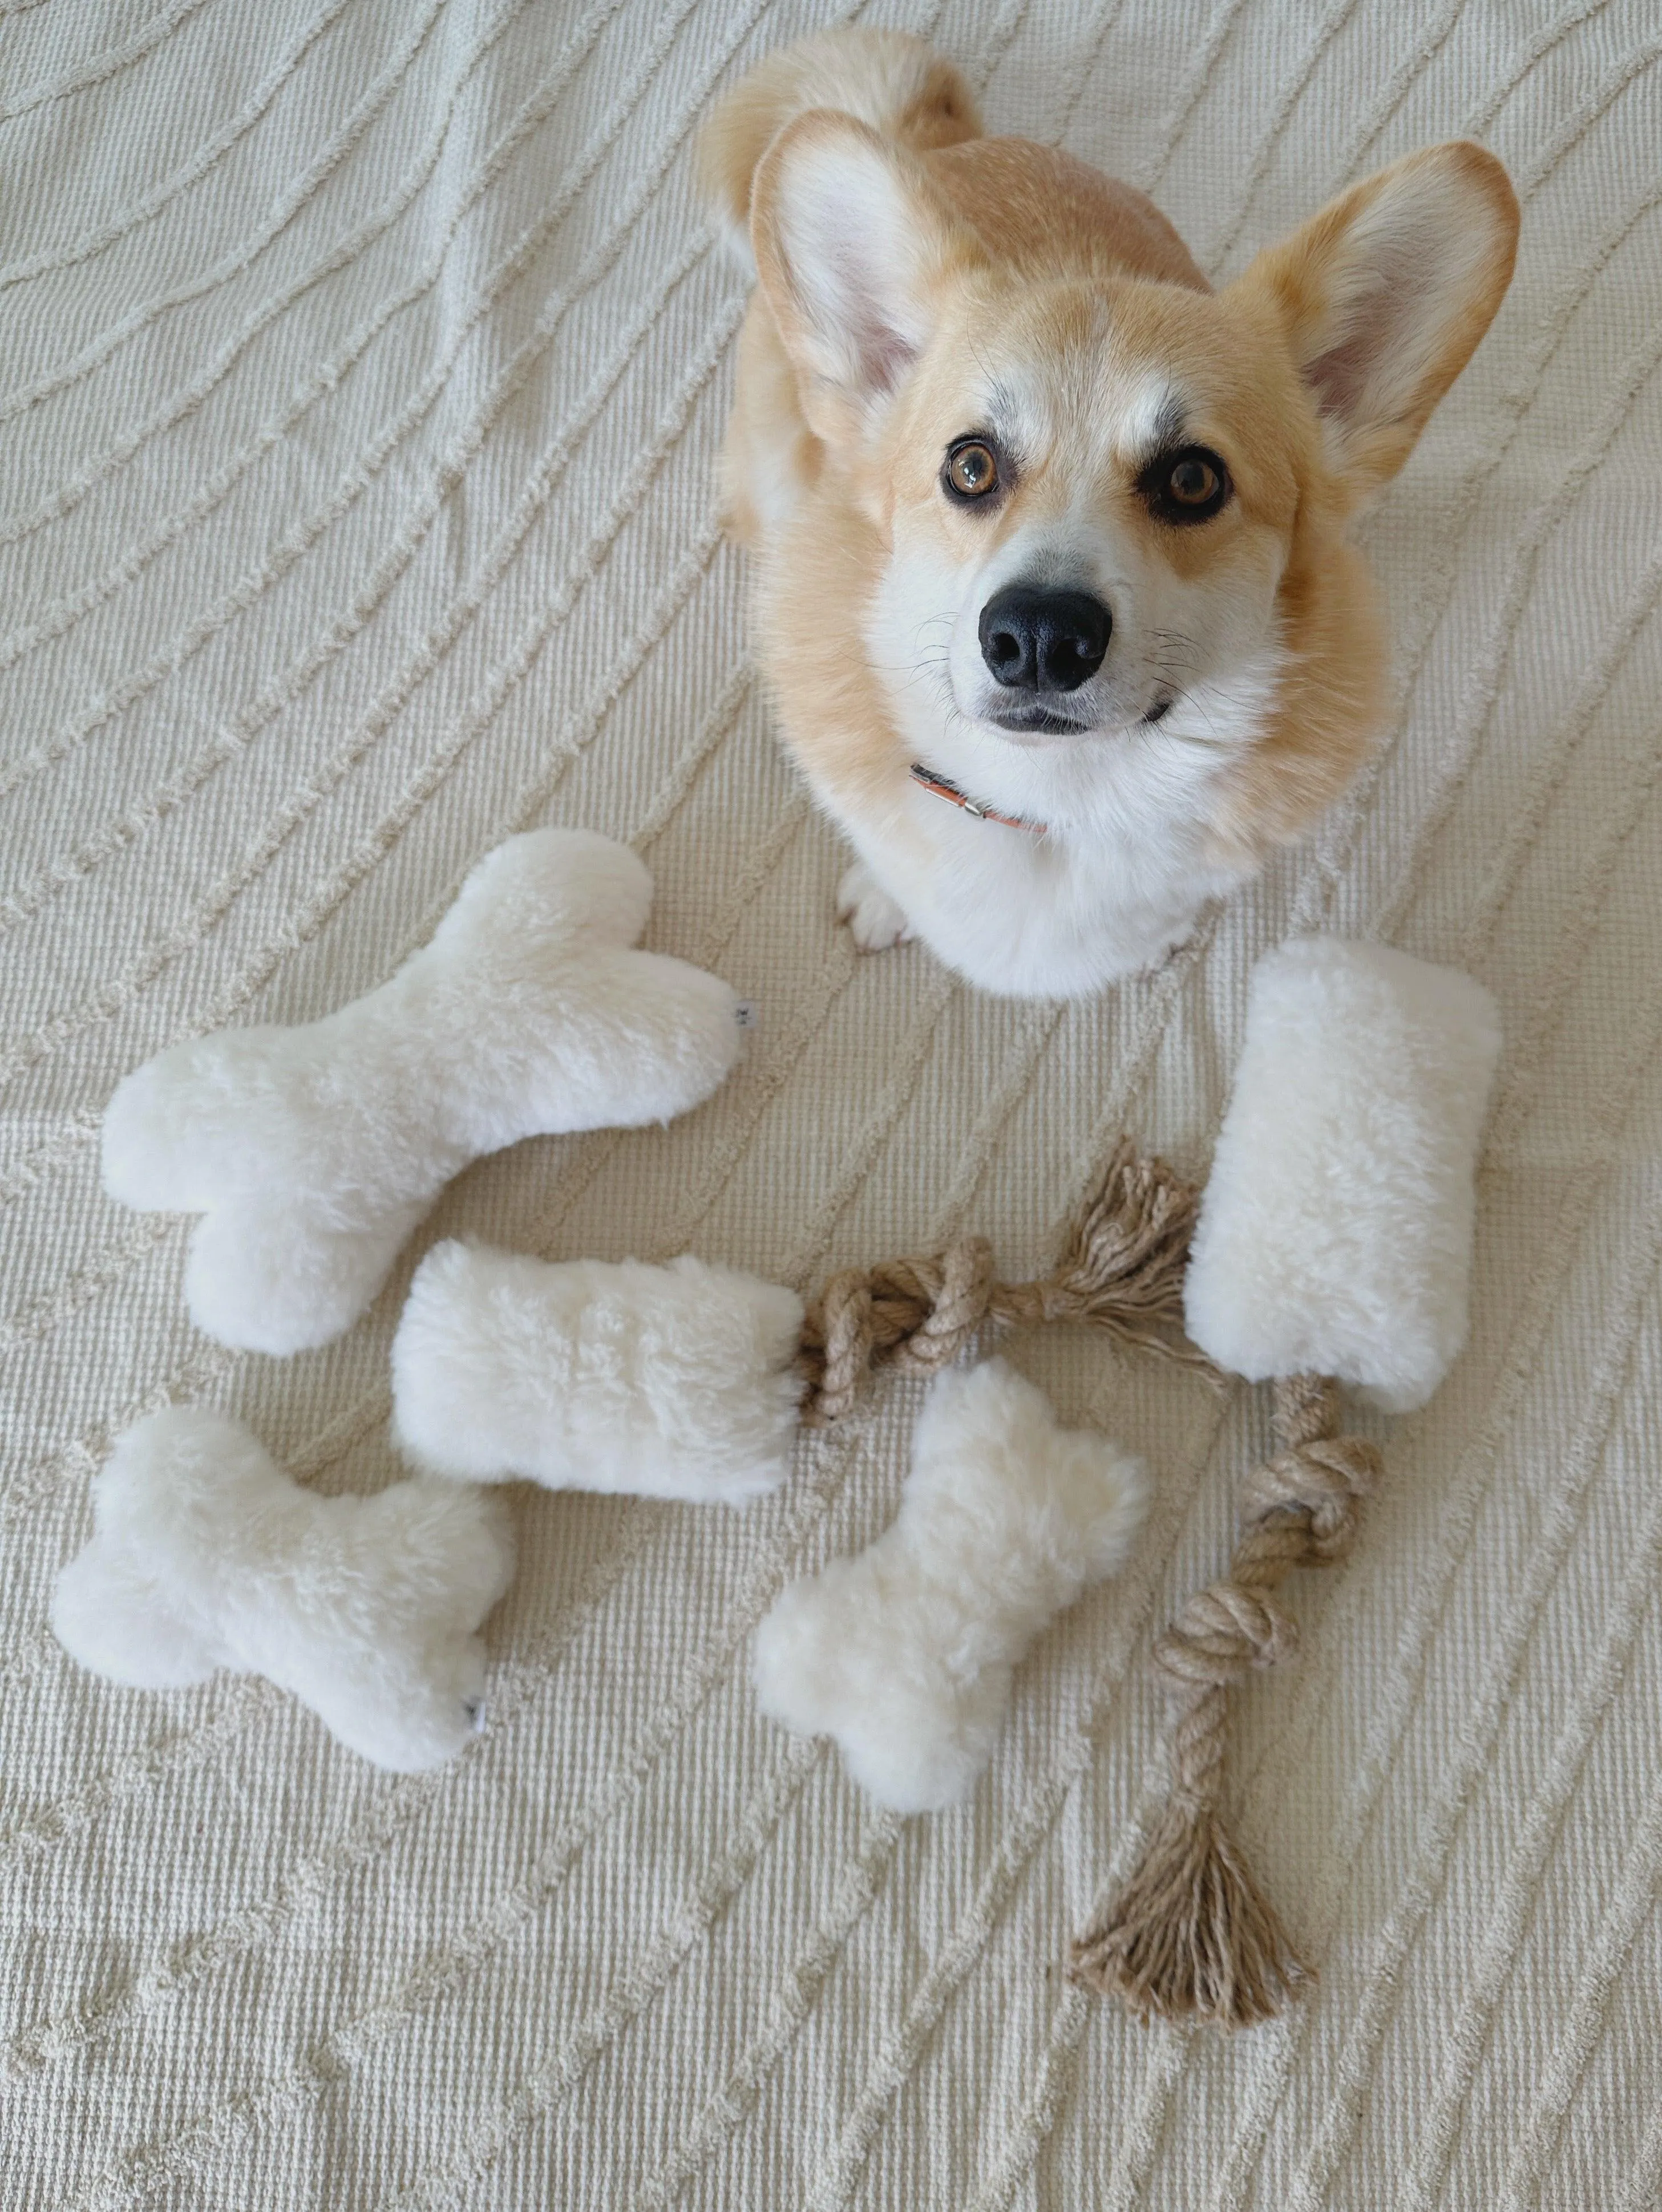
(747, 1014)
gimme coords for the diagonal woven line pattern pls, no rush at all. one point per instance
(363, 373)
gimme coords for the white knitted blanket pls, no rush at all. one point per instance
(361, 371)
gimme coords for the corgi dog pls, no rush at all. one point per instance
(1054, 598)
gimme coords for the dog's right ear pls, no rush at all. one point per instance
(853, 243)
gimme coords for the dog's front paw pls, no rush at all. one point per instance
(875, 922)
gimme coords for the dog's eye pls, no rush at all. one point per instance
(1192, 482)
(1189, 486)
(971, 469)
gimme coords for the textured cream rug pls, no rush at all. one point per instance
(361, 369)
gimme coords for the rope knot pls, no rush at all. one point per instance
(1323, 1482)
(1222, 1635)
(1121, 1270)
(959, 1290)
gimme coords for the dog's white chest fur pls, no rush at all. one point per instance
(1112, 880)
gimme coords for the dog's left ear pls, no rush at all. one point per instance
(854, 245)
(1385, 295)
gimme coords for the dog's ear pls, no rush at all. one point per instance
(1385, 295)
(853, 243)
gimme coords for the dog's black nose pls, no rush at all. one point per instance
(1036, 641)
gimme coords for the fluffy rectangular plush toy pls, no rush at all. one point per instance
(205, 1555)
(905, 1653)
(313, 1152)
(674, 1381)
(1335, 1235)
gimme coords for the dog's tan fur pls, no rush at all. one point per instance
(1083, 286)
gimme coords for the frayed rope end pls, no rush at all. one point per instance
(1121, 1268)
(1191, 1936)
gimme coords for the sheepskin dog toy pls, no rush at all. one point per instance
(674, 1382)
(206, 1555)
(313, 1152)
(686, 1380)
(903, 1654)
(1334, 1244)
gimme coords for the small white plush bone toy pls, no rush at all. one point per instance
(313, 1153)
(205, 1555)
(904, 1653)
(676, 1382)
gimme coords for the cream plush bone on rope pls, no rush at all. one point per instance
(683, 1381)
(1334, 1241)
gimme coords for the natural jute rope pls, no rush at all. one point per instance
(1121, 1270)
(1190, 1936)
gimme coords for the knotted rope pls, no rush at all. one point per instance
(1121, 1270)
(1190, 1936)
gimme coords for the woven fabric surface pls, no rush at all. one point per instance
(362, 374)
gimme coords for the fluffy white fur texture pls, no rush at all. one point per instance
(205, 1555)
(904, 1653)
(314, 1151)
(1335, 1235)
(671, 1381)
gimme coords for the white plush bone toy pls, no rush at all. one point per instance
(206, 1555)
(313, 1152)
(904, 1653)
(1334, 1243)
(676, 1382)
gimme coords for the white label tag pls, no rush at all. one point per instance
(745, 1014)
